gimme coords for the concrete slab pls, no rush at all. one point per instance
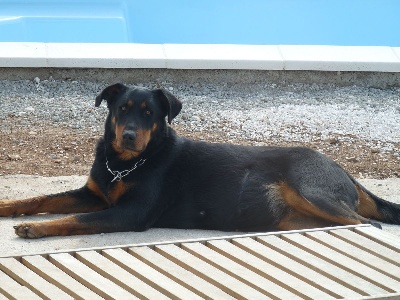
(22, 55)
(21, 186)
(336, 58)
(200, 56)
(258, 57)
(61, 55)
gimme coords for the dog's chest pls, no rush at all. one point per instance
(116, 190)
(110, 192)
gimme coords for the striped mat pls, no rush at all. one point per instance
(348, 262)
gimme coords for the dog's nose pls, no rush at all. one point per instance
(129, 135)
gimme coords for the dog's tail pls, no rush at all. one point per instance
(374, 207)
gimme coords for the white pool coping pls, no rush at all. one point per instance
(193, 56)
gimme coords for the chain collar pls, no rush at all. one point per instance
(118, 175)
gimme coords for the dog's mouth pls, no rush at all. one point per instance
(132, 147)
(126, 152)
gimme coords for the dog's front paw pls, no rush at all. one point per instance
(9, 208)
(29, 230)
(6, 208)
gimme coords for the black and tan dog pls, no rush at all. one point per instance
(145, 176)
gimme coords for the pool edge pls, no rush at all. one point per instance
(200, 57)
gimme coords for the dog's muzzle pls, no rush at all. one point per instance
(129, 139)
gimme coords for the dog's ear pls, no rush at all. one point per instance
(171, 105)
(109, 93)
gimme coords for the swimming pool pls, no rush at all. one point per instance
(328, 35)
(253, 22)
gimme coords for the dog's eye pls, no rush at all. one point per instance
(148, 112)
(123, 108)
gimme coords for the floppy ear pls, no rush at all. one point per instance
(109, 93)
(170, 103)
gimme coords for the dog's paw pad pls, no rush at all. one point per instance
(28, 231)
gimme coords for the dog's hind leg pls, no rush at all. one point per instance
(371, 206)
(314, 210)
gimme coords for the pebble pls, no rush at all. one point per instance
(14, 157)
(76, 159)
(352, 159)
(196, 119)
(333, 141)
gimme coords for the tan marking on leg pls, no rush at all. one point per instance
(19, 207)
(296, 220)
(64, 226)
(301, 205)
(42, 204)
(367, 206)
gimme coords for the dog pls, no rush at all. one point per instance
(144, 175)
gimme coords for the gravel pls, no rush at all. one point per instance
(257, 112)
(295, 112)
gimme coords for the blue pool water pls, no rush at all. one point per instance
(268, 22)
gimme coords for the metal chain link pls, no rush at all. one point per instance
(118, 175)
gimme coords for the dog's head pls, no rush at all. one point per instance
(136, 116)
